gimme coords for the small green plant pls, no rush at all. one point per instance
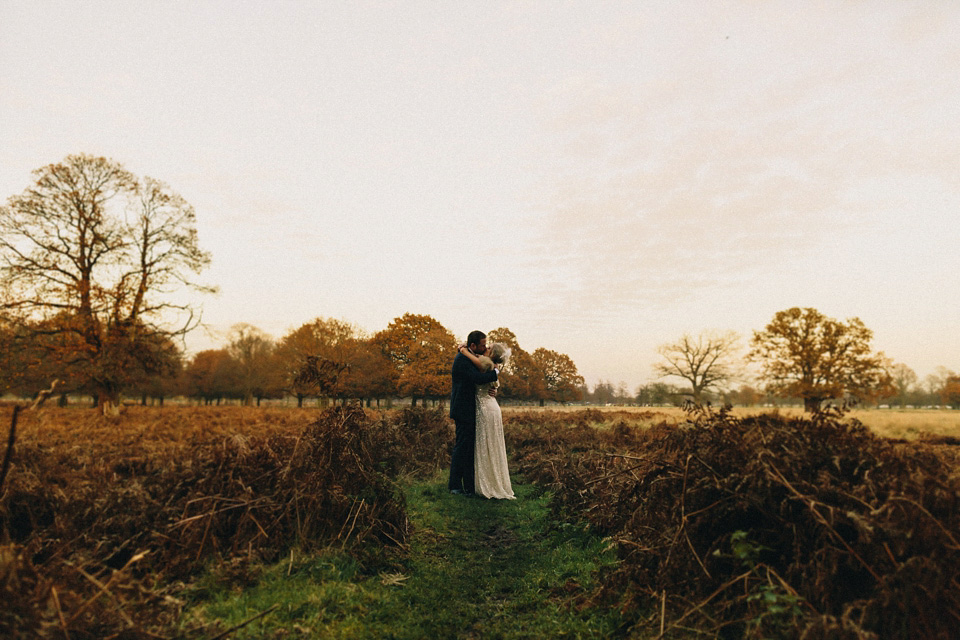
(776, 608)
(745, 550)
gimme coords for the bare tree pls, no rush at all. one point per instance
(707, 361)
(87, 257)
(904, 378)
(257, 372)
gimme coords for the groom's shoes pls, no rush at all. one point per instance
(456, 492)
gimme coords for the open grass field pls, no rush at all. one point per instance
(890, 423)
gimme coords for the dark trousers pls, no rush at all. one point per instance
(461, 464)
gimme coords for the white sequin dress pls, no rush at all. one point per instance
(491, 474)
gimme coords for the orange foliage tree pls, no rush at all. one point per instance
(555, 377)
(805, 354)
(950, 393)
(340, 359)
(515, 378)
(371, 375)
(210, 376)
(421, 350)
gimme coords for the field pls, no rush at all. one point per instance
(890, 423)
(202, 522)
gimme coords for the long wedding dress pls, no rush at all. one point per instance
(490, 456)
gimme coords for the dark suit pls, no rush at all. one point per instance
(463, 410)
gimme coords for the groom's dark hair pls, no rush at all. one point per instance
(475, 337)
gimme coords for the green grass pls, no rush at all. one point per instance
(475, 569)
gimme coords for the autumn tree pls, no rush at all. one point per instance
(658, 393)
(555, 377)
(603, 392)
(329, 358)
(155, 370)
(24, 371)
(164, 383)
(309, 340)
(210, 376)
(89, 256)
(19, 365)
(950, 392)
(805, 354)
(515, 377)
(746, 396)
(421, 350)
(707, 361)
(904, 378)
(370, 375)
(934, 383)
(258, 372)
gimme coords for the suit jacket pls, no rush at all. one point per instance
(463, 396)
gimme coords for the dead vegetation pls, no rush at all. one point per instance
(751, 526)
(101, 518)
(761, 526)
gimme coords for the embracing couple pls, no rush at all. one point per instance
(479, 464)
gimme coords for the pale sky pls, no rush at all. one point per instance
(599, 177)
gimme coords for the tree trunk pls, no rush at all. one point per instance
(299, 401)
(811, 405)
(62, 400)
(109, 404)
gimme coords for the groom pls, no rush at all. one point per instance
(463, 410)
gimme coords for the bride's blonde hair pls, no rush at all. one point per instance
(499, 353)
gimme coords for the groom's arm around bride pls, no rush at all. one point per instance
(463, 410)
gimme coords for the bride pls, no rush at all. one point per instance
(490, 456)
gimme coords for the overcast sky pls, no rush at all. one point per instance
(599, 177)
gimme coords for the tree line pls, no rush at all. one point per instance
(92, 256)
(324, 359)
(802, 356)
(332, 359)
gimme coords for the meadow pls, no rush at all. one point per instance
(889, 423)
(204, 522)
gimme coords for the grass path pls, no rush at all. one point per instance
(476, 569)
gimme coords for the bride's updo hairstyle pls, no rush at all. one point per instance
(499, 353)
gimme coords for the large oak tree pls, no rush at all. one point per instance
(805, 354)
(89, 257)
